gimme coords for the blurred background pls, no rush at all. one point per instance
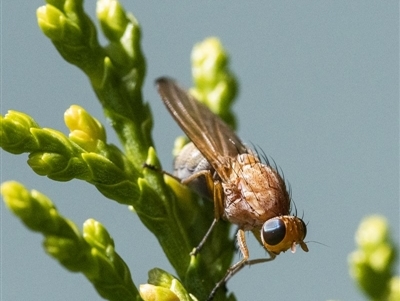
(319, 93)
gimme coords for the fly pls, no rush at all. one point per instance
(245, 191)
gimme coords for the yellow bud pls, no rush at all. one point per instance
(85, 129)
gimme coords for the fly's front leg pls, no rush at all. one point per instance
(241, 239)
(218, 198)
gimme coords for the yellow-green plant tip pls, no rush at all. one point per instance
(15, 195)
(55, 25)
(74, 35)
(373, 230)
(96, 235)
(15, 132)
(108, 76)
(152, 158)
(112, 18)
(207, 57)
(161, 278)
(123, 31)
(22, 119)
(48, 18)
(150, 292)
(215, 85)
(58, 167)
(37, 211)
(381, 258)
(371, 265)
(130, 40)
(34, 209)
(394, 289)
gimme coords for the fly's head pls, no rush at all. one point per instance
(282, 233)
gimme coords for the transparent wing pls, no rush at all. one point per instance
(212, 136)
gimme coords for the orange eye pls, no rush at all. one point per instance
(273, 231)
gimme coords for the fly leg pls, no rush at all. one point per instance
(240, 264)
(218, 197)
(196, 250)
(217, 215)
(161, 171)
(236, 267)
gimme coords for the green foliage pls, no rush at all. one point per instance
(372, 264)
(60, 158)
(169, 210)
(91, 252)
(215, 85)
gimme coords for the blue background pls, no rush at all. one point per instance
(319, 93)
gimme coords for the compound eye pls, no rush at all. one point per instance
(304, 229)
(273, 231)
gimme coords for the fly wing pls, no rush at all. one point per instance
(212, 136)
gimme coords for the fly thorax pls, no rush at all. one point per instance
(255, 193)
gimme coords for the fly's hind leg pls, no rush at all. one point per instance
(216, 189)
(196, 250)
(161, 171)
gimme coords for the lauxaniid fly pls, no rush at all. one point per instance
(245, 191)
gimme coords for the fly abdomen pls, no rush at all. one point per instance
(188, 162)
